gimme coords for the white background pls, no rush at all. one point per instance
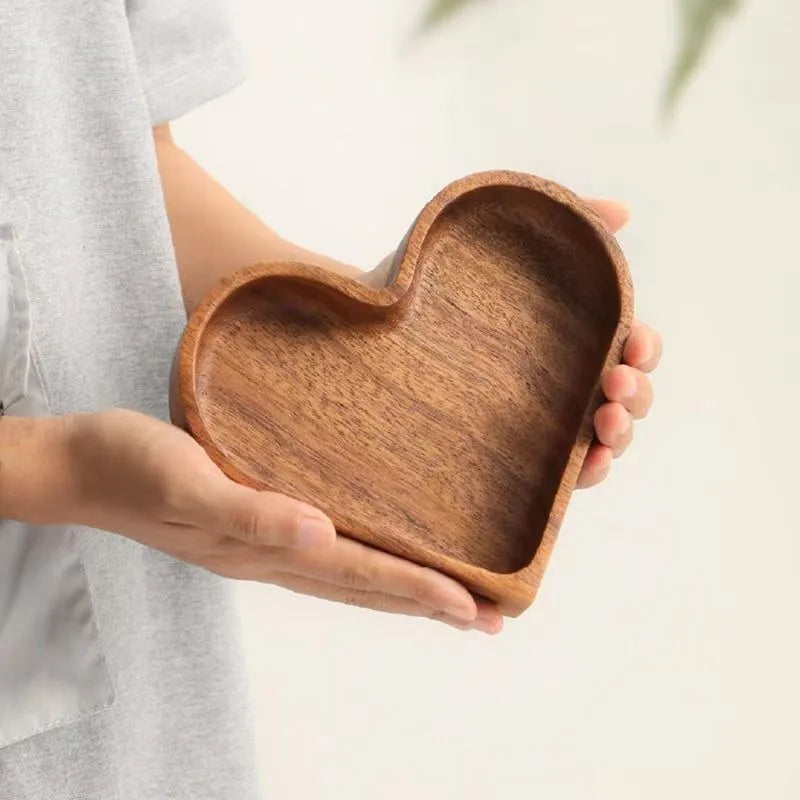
(661, 659)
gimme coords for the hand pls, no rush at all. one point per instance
(627, 388)
(153, 483)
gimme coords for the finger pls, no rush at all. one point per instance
(489, 619)
(614, 427)
(354, 566)
(267, 518)
(375, 601)
(630, 388)
(614, 214)
(596, 466)
(241, 561)
(644, 348)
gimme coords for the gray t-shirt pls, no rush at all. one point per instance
(120, 676)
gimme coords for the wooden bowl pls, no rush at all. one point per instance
(443, 418)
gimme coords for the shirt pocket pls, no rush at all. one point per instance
(52, 669)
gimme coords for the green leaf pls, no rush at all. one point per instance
(440, 10)
(699, 21)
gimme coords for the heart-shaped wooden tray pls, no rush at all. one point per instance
(443, 418)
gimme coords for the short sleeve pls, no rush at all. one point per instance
(186, 52)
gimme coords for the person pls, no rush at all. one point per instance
(120, 676)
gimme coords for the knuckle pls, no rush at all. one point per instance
(193, 545)
(219, 564)
(380, 602)
(423, 591)
(234, 564)
(438, 616)
(247, 525)
(620, 370)
(356, 576)
(619, 414)
(178, 498)
(213, 552)
(420, 593)
(352, 598)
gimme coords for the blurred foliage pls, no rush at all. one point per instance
(439, 10)
(699, 20)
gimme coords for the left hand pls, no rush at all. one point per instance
(627, 387)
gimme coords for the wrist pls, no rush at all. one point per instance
(36, 482)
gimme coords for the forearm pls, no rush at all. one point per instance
(213, 233)
(35, 474)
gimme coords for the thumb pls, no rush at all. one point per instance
(271, 519)
(614, 214)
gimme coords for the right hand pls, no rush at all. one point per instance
(125, 472)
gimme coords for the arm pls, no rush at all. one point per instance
(142, 478)
(214, 234)
(34, 468)
(138, 477)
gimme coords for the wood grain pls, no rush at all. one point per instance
(443, 418)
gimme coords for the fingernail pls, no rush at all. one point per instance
(315, 532)
(487, 622)
(496, 627)
(491, 628)
(465, 612)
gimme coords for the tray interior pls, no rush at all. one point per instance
(447, 428)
